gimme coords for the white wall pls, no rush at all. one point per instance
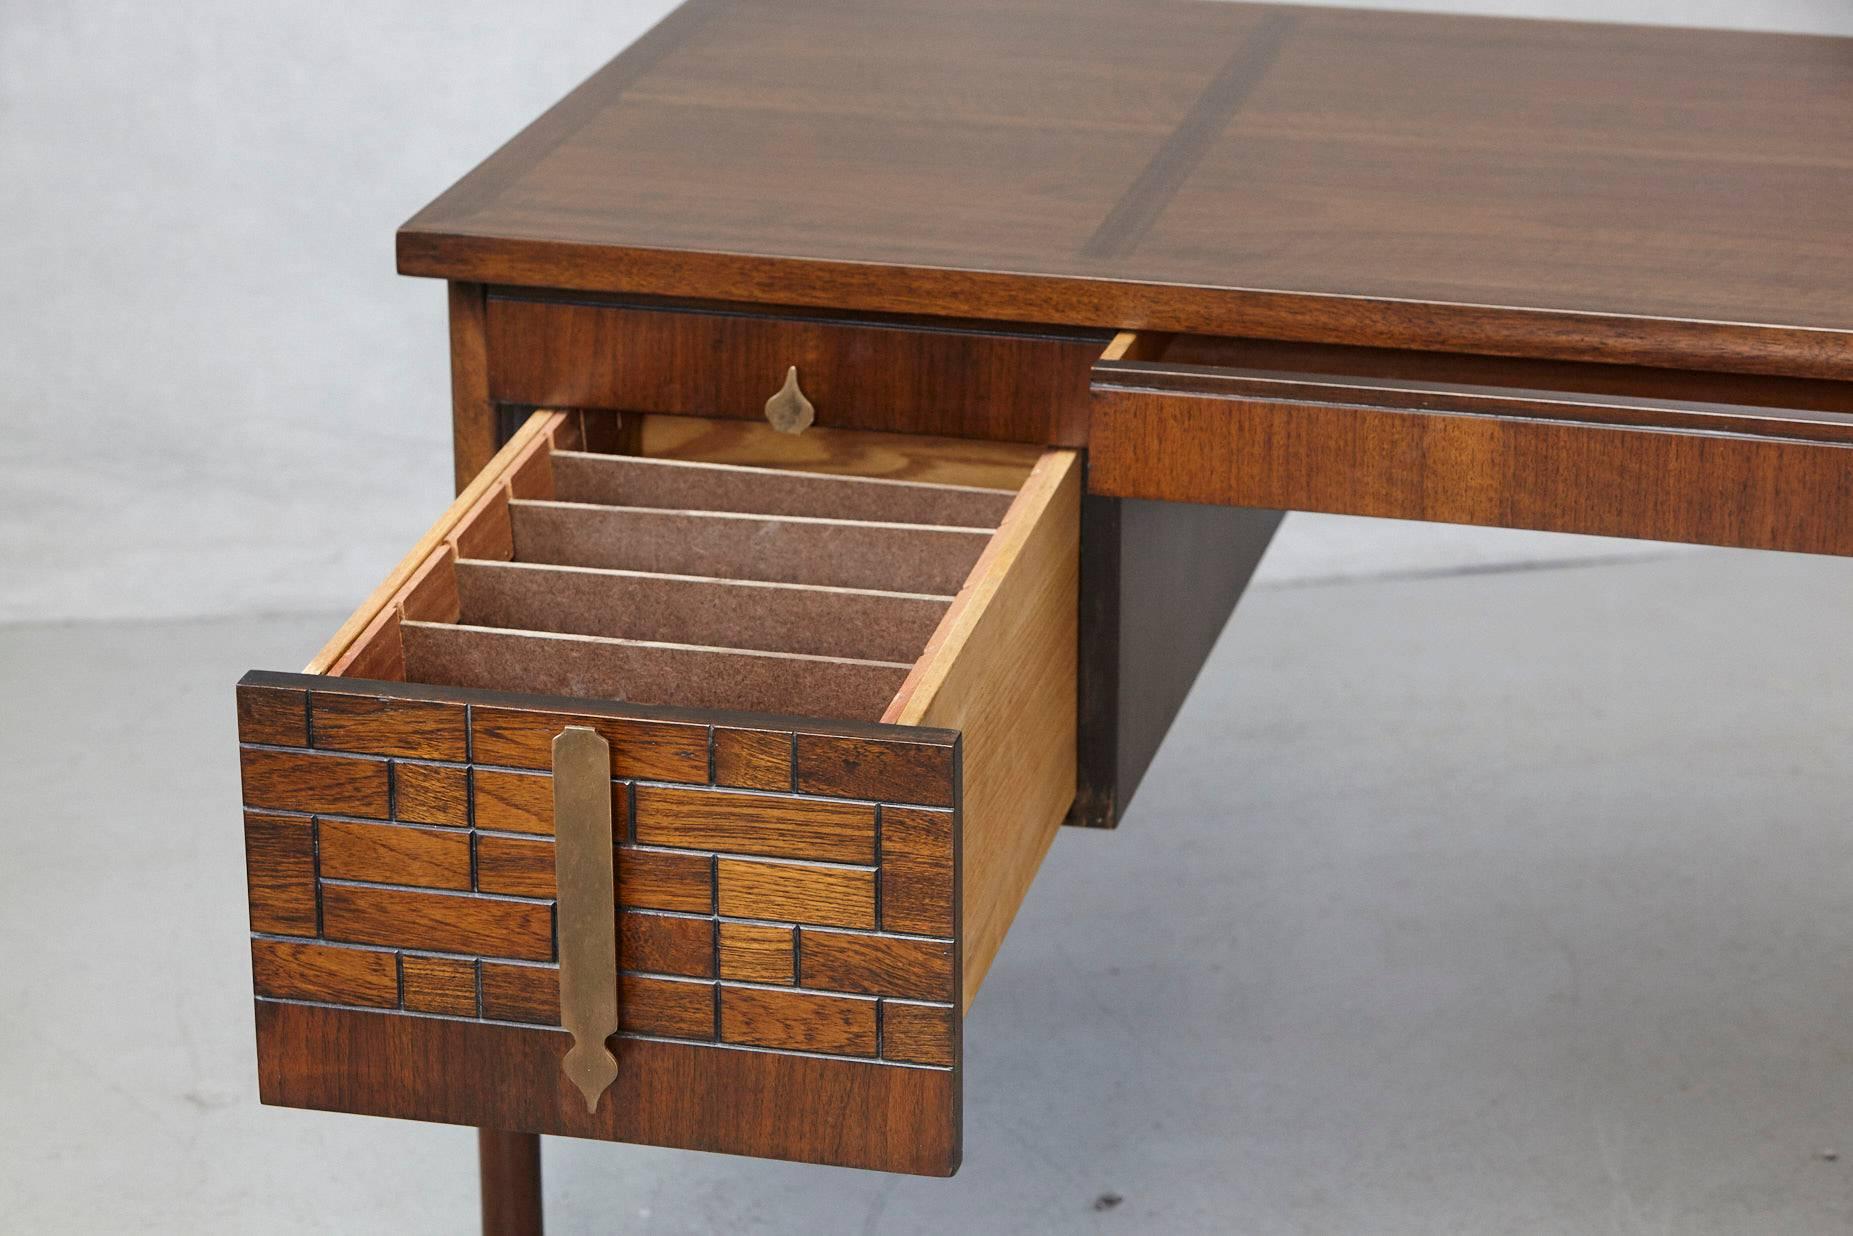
(215, 394)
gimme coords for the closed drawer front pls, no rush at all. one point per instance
(1024, 384)
(1615, 450)
(828, 793)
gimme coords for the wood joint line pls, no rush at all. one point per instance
(1145, 198)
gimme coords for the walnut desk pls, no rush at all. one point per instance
(680, 784)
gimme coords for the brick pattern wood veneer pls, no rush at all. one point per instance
(399, 857)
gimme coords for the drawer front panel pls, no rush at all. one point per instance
(773, 1001)
(1756, 463)
(1027, 386)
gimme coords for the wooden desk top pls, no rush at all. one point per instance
(1593, 192)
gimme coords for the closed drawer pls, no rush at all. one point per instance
(1615, 450)
(837, 716)
(962, 380)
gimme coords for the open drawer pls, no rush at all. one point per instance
(821, 714)
(1615, 450)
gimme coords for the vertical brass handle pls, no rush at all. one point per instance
(586, 916)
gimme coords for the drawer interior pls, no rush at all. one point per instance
(665, 578)
(713, 566)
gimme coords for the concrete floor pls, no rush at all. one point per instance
(1498, 903)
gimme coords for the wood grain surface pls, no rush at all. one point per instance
(814, 1109)
(301, 781)
(1580, 457)
(509, 1167)
(918, 1033)
(440, 922)
(403, 728)
(838, 452)
(472, 413)
(299, 970)
(876, 965)
(657, 744)
(979, 382)
(443, 985)
(754, 759)
(1599, 192)
(796, 892)
(393, 854)
(671, 1008)
(431, 794)
(758, 952)
(280, 874)
(798, 1021)
(717, 888)
(772, 825)
(917, 860)
(1001, 670)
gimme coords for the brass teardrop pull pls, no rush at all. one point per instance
(789, 411)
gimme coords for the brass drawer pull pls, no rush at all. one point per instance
(789, 411)
(584, 869)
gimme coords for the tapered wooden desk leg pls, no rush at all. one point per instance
(510, 1165)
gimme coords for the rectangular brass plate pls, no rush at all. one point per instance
(586, 912)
